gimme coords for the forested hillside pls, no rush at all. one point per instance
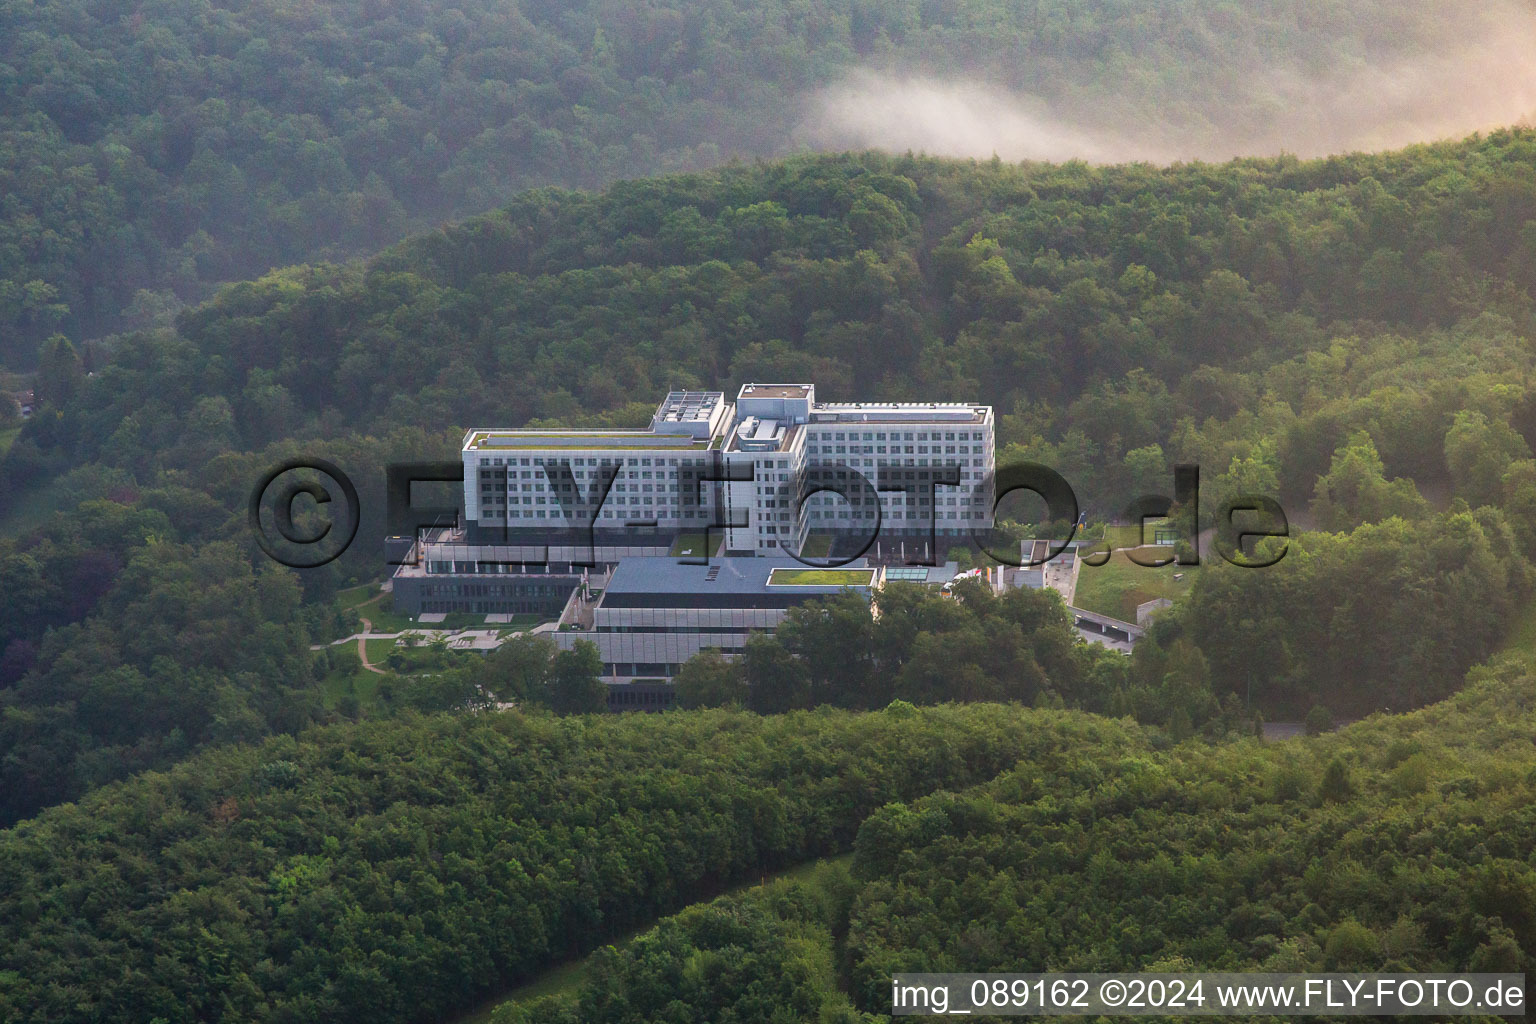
(1350, 335)
(149, 153)
(394, 872)
(1400, 844)
(138, 627)
(399, 871)
(1257, 313)
(237, 236)
(1396, 845)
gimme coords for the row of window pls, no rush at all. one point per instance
(539, 460)
(676, 629)
(899, 435)
(443, 567)
(894, 449)
(861, 509)
(623, 699)
(544, 499)
(530, 590)
(538, 484)
(488, 607)
(894, 514)
(607, 513)
(885, 498)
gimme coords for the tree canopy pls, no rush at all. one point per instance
(147, 156)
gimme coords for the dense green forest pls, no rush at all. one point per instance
(1252, 316)
(769, 955)
(1348, 335)
(1310, 631)
(1402, 843)
(225, 243)
(395, 871)
(148, 154)
(138, 627)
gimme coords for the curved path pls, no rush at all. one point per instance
(362, 647)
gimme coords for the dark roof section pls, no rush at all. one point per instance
(723, 583)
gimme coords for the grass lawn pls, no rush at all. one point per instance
(1118, 586)
(820, 577)
(387, 621)
(363, 593)
(1124, 535)
(566, 979)
(8, 437)
(362, 683)
(691, 545)
(36, 506)
(817, 545)
(365, 684)
(378, 650)
(1520, 642)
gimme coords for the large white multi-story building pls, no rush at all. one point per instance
(775, 471)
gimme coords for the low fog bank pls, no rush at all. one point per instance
(1482, 75)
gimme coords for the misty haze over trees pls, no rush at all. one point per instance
(148, 155)
(1344, 334)
(195, 824)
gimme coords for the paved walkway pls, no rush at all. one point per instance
(459, 639)
(1123, 646)
(358, 636)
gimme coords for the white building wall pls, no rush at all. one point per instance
(515, 490)
(903, 441)
(511, 488)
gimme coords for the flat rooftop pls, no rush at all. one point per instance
(926, 574)
(776, 391)
(736, 576)
(755, 434)
(583, 440)
(871, 412)
(689, 406)
(808, 576)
